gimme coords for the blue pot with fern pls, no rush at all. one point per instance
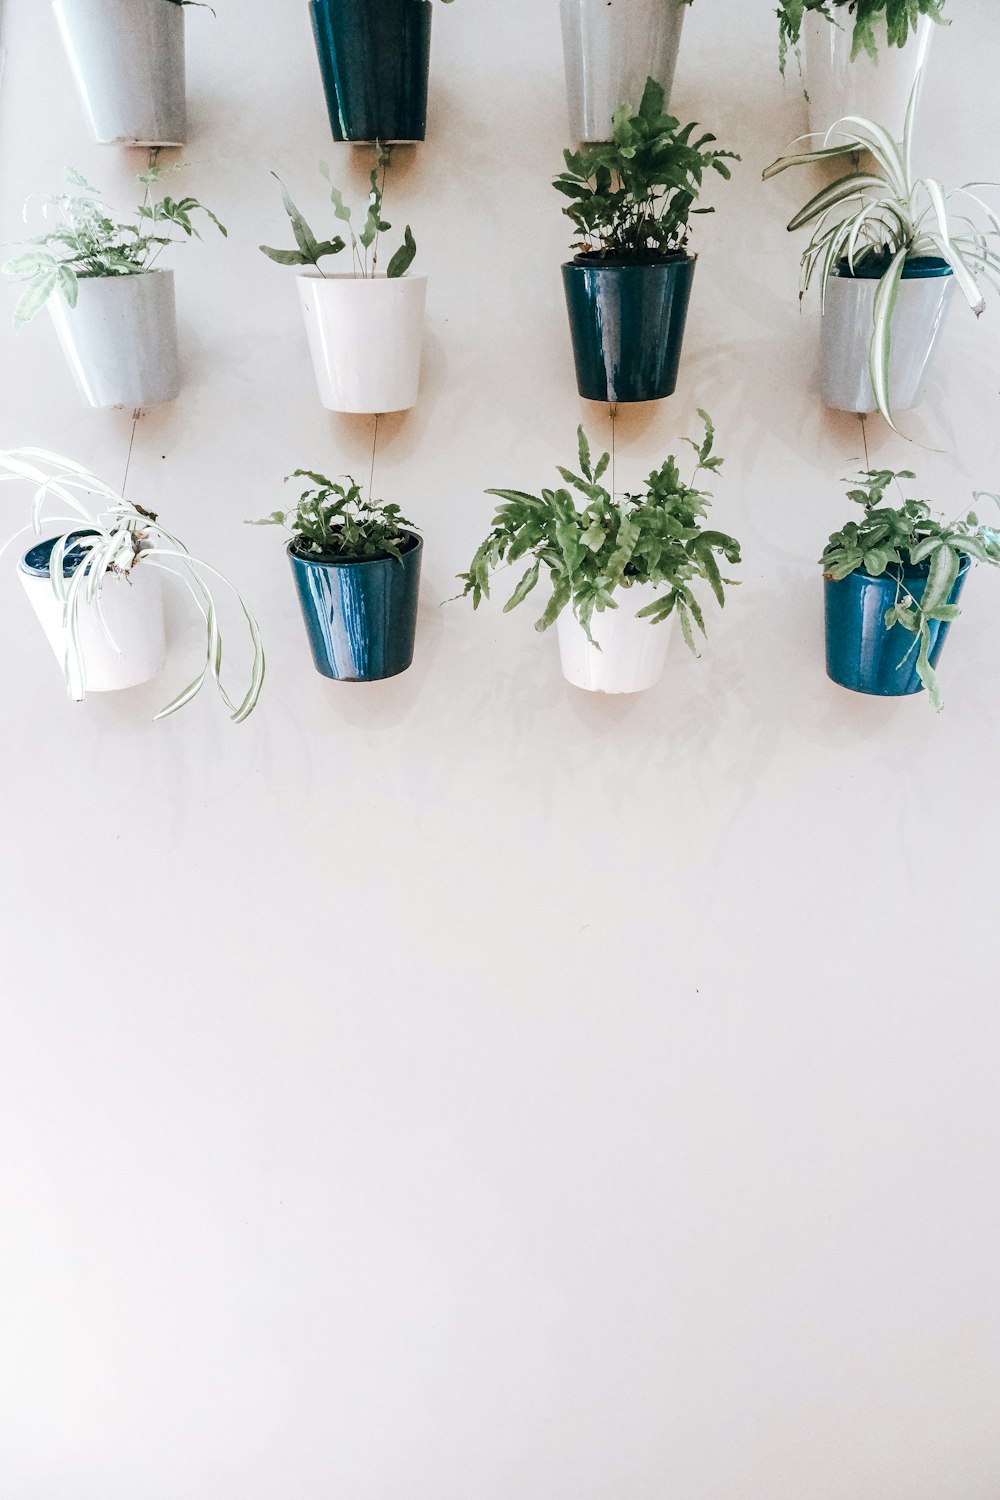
(374, 58)
(356, 567)
(893, 580)
(629, 285)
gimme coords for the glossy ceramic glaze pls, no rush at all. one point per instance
(361, 617)
(132, 609)
(610, 48)
(627, 324)
(365, 337)
(127, 59)
(374, 56)
(121, 339)
(846, 335)
(836, 86)
(861, 654)
(632, 652)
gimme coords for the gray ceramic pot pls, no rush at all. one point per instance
(121, 339)
(611, 47)
(127, 58)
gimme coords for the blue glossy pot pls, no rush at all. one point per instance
(361, 617)
(374, 56)
(627, 323)
(861, 654)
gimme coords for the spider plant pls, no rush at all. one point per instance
(118, 537)
(879, 214)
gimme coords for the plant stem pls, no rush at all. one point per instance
(371, 476)
(385, 153)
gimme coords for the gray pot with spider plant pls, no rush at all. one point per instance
(365, 326)
(858, 57)
(629, 285)
(127, 60)
(95, 587)
(610, 48)
(893, 579)
(112, 306)
(356, 567)
(620, 567)
(887, 249)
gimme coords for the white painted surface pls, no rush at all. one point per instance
(846, 336)
(624, 654)
(124, 651)
(837, 86)
(366, 338)
(463, 1086)
(120, 340)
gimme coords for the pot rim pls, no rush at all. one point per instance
(347, 276)
(921, 268)
(132, 275)
(611, 263)
(356, 562)
(909, 570)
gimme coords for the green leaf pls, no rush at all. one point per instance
(403, 258)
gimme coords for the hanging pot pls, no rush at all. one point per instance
(846, 334)
(361, 617)
(836, 86)
(374, 56)
(632, 652)
(365, 337)
(610, 48)
(127, 59)
(121, 338)
(861, 654)
(627, 321)
(132, 609)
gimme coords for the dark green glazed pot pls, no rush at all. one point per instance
(627, 322)
(375, 57)
(861, 654)
(361, 617)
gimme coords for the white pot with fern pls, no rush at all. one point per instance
(888, 248)
(112, 307)
(95, 585)
(127, 61)
(365, 327)
(621, 568)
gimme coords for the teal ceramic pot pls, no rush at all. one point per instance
(861, 654)
(361, 617)
(374, 56)
(627, 323)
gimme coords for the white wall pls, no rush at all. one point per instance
(458, 1087)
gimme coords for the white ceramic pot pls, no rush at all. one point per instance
(365, 337)
(610, 48)
(127, 59)
(836, 86)
(132, 608)
(121, 338)
(846, 335)
(633, 652)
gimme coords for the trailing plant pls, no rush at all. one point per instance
(882, 216)
(335, 523)
(594, 554)
(900, 18)
(364, 245)
(889, 540)
(118, 537)
(632, 198)
(89, 241)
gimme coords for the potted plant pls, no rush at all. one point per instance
(356, 566)
(887, 248)
(628, 287)
(862, 57)
(619, 568)
(365, 326)
(127, 60)
(892, 583)
(610, 48)
(95, 586)
(113, 309)
(374, 57)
